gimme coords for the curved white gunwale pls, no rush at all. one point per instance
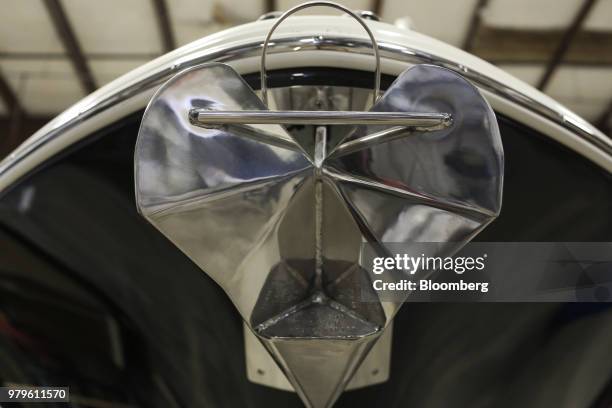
(319, 41)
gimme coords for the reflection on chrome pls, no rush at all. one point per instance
(277, 215)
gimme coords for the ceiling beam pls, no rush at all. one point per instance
(475, 23)
(377, 7)
(604, 122)
(164, 24)
(15, 129)
(31, 121)
(270, 6)
(8, 96)
(12, 126)
(511, 46)
(565, 42)
(69, 40)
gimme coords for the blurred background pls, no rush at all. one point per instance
(54, 52)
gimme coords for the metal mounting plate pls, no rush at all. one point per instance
(262, 370)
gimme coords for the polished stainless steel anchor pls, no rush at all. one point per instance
(278, 219)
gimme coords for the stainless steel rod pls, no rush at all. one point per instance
(264, 89)
(204, 117)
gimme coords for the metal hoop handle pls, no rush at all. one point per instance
(264, 90)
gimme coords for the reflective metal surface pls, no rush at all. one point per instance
(368, 15)
(279, 222)
(286, 14)
(262, 369)
(271, 15)
(423, 121)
